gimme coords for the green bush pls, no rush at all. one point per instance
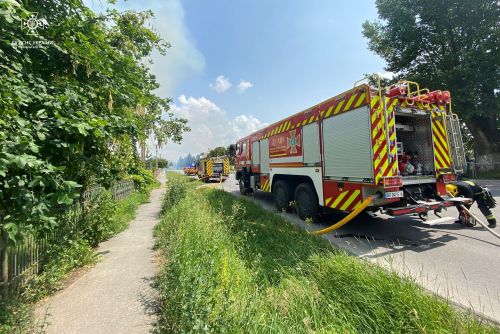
(98, 218)
(144, 179)
(104, 217)
(177, 187)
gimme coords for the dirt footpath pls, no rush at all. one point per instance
(116, 295)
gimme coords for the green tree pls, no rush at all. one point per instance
(217, 152)
(157, 162)
(447, 45)
(68, 115)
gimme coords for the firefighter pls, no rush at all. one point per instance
(476, 192)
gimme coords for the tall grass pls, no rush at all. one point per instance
(232, 267)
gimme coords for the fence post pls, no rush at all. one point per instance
(4, 263)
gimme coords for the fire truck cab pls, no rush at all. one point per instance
(400, 145)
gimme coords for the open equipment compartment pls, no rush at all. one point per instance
(415, 147)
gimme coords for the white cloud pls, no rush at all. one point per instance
(210, 127)
(243, 86)
(182, 60)
(221, 84)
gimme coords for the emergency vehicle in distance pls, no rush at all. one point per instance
(190, 170)
(213, 168)
(400, 145)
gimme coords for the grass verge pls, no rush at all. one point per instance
(111, 218)
(232, 267)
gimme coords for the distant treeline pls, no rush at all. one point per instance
(216, 152)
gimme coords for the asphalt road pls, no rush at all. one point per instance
(458, 263)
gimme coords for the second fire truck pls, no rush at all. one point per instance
(213, 168)
(399, 145)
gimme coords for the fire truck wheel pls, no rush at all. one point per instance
(243, 190)
(306, 201)
(282, 195)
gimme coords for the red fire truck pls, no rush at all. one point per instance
(399, 145)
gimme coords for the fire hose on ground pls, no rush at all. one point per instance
(346, 219)
(368, 201)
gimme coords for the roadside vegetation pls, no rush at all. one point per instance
(232, 267)
(104, 218)
(77, 100)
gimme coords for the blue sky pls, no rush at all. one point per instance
(289, 54)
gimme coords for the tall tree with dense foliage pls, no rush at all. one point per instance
(448, 44)
(70, 87)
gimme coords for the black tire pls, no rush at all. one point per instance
(306, 201)
(282, 195)
(243, 190)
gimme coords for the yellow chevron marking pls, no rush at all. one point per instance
(384, 167)
(288, 124)
(393, 104)
(316, 118)
(281, 127)
(392, 121)
(351, 100)
(339, 106)
(445, 142)
(304, 122)
(436, 141)
(321, 113)
(360, 100)
(350, 200)
(337, 201)
(374, 115)
(328, 200)
(377, 129)
(374, 101)
(438, 157)
(438, 144)
(310, 119)
(329, 111)
(382, 153)
(374, 132)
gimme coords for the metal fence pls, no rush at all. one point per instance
(476, 170)
(27, 258)
(122, 189)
